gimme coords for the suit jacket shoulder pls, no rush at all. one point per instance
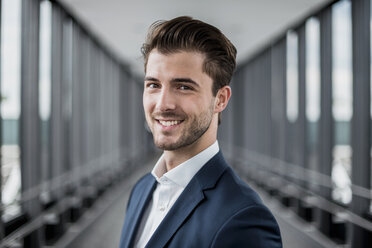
(236, 215)
(245, 220)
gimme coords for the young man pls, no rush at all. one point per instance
(192, 198)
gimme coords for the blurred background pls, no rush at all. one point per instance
(74, 139)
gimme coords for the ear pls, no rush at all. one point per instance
(222, 98)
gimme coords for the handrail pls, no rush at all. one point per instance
(320, 202)
(282, 168)
(39, 220)
(73, 175)
(35, 223)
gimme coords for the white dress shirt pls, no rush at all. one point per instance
(169, 187)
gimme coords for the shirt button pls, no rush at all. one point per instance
(162, 209)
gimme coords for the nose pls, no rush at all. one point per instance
(166, 100)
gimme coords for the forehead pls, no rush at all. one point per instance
(177, 62)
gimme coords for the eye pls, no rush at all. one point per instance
(185, 87)
(152, 85)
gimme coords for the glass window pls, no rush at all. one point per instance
(10, 104)
(45, 85)
(342, 104)
(292, 76)
(312, 90)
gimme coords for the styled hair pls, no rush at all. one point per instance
(187, 34)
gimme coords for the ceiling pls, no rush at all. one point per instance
(249, 24)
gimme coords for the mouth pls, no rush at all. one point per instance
(169, 123)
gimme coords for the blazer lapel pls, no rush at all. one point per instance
(190, 198)
(176, 215)
(134, 218)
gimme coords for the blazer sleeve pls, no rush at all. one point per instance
(253, 227)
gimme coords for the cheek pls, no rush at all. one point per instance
(146, 103)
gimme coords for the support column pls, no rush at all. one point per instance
(361, 124)
(30, 120)
(1, 144)
(324, 218)
(56, 101)
(278, 99)
(301, 121)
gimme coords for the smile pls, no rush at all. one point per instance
(169, 123)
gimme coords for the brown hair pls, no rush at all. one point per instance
(187, 34)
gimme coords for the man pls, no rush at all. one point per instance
(192, 198)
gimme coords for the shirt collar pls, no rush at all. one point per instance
(184, 172)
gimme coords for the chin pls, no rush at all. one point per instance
(167, 145)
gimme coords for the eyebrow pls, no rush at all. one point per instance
(151, 79)
(175, 80)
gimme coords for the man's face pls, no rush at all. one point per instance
(177, 99)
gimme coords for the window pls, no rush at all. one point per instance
(342, 104)
(10, 104)
(292, 76)
(312, 90)
(45, 86)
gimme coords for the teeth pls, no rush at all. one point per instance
(169, 123)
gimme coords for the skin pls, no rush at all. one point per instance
(178, 92)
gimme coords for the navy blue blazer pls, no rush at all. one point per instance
(216, 209)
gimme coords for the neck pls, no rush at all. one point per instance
(174, 158)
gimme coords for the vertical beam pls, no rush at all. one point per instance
(262, 105)
(116, 134)
(301, 122)
(30, 120)
(300, 141)
(256, 100)
(224, 129)
(134, 124)
(1, 140)
(29, 138)
(361, 124)
(118, 116)
(56, 100)
(98, 102)
(238, 113)
(102, 100)
(246, 76)
(278, 99)
(252, 103)
(68, 28)
(266, 72)
(85, 100)
(76, 98)
(289, 126)
(101, 94)
(139, 120)
(80, 96)
(282, 81)
(92, 76)
(278, 105)
(325, 123)
(129, 124)
(123, 112)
